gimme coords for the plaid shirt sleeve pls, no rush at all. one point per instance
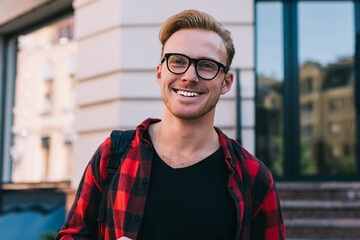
(256, 198)
(81, 222)
(266, 217)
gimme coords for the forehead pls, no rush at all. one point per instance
(197, 43)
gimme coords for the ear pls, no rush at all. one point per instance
(227, 83)
(158, 73)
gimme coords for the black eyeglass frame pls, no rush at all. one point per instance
(195, 61)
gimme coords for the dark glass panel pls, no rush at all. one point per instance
(326, 87)
(269, 101)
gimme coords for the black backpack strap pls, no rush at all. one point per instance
(119, 143)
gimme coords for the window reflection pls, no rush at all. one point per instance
(326, 88)
(269, 102)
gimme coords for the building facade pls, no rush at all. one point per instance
(73, 70)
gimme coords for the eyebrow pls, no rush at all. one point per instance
(204, 57)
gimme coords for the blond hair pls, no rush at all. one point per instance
(197, 19)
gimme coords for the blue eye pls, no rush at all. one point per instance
(206, 65)
(178, 61)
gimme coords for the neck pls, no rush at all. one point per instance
(186, 141)
(188, 132)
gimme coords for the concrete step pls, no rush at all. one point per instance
(348, 223)
(320, 208)
(319, 190)
(331, 228)
(319, 238)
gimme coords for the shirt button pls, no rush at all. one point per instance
(144, 180)
(136, 218)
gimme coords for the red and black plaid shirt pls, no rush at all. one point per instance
(250, 184)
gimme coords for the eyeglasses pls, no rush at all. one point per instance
(205, 68)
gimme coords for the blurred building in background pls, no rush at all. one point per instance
(44, 104)
(73, 70)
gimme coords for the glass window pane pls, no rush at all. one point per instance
(269, 102)
(43, 124)
(327, 113)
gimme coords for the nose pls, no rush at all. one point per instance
(190, 74)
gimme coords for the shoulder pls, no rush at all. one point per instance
(100, 159)
(259, 174)
(258, 179)
(249, 167)
(104, 150)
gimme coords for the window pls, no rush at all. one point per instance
(44, 104)
(326, 38)
(307, 109)
(313, 81)
(334, 104)
(269, 102)
(307, 131)
(45, 144)
(307, 85)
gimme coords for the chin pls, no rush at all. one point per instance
(196, 115)
(188, 117)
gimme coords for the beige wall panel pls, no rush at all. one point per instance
(97, 17)
(248, 140)
(81, 3)
(225, 115)
(118, 49)
(247, 113)
(84, 147)
(132, 85)
(134, 112)
(141, 85)
(111, 115)
(140, 48)
(225, 11)
(98, 90)
(99, 55)
(243, 37)
(247, 79)
(98, 117)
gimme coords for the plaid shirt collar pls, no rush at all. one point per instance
(225, 141)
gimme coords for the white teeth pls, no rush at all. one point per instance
(188, 94)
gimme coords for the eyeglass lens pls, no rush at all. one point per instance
(206, 69)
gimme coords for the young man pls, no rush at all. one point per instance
(181, 177)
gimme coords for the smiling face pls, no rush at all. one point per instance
(187, 96)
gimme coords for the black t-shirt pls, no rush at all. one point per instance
(189, 203)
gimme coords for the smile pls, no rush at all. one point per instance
(187, 94)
